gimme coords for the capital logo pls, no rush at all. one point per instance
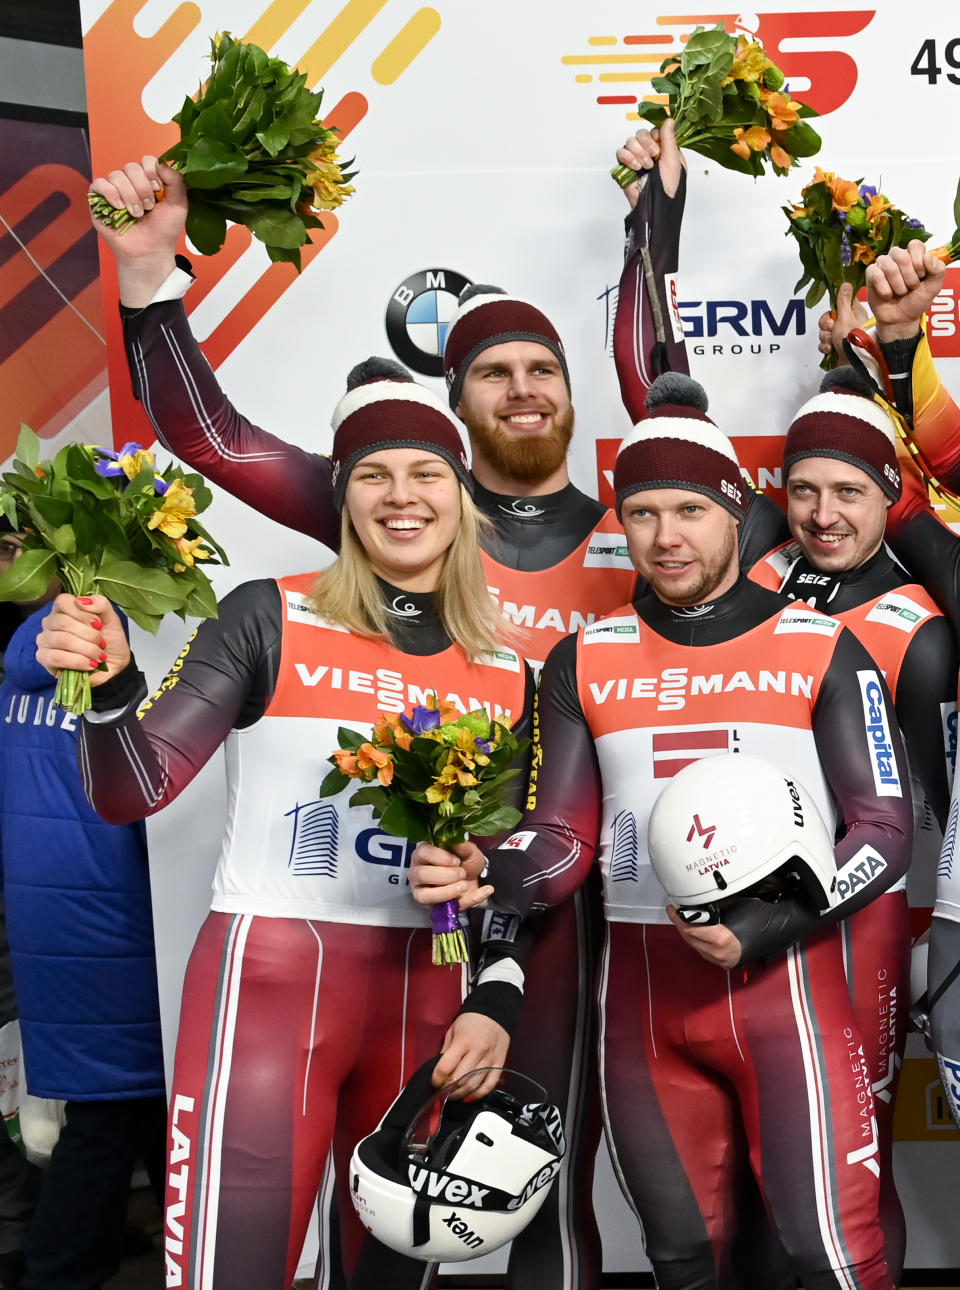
(700, 830)
(823, 78)
(418, 317)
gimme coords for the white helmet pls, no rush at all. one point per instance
(737, 825)
(448, 1180)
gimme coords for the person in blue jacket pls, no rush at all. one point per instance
(77, 894)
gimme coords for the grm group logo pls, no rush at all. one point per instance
(419, 313)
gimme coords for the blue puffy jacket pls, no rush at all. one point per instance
(77, 894)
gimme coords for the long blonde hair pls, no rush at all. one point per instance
(348, 592)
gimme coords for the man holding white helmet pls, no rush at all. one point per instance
(710, 1033)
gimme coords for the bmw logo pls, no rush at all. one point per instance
(418, 317)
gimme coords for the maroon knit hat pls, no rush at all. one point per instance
(488, 316)
(676, 445)
(845, 422)
(384, 407)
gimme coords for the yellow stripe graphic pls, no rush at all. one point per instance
(405, 46)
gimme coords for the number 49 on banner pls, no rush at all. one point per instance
(925, 63)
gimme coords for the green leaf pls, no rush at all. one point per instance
(801, 140)
(213, 123)
(373, 795)
(815, 294)
(495, 821)
(206, 227)
(279, 192)
(150, 590)
(53, 509)
(275, 139)
(211, 164)
(279, 255)
(64, 539)
(334, 782)
(202, 600)
(145, 620)
(956, 208)
(350, 740)
(655, 113)
(29, 576)
(277, 227)
(403, 820)
(706, 46)
(28, 447)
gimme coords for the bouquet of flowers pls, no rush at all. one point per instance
(841, 226)
(730, 103)
(252, 151)
(107, 522)
(436, 776)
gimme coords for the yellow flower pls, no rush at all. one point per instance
(781, 158)
(781, 111)
(864, 254)
(438, 793)
(749, 62)
(132, 465)
(190, 551)
(798, 212)
(177, 507)
(326, 179)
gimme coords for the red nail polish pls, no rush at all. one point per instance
(96, 624)
(102, 644)
(94, 663)
(84, 600)
(103, 658)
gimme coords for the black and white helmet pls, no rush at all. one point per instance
(734, 825)
(446, 1179)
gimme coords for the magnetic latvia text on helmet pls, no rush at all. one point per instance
(845, 422)
(753, 820)
(677, 445)
(488, 316)
(445, 1179)
(384, 407)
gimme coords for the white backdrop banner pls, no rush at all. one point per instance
(483, 135)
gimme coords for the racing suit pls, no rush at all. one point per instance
(912, 644)
(698, 1064)
(309, 910)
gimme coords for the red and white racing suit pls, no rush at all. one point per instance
(910, 641)
(704, 1070)
(310, 997)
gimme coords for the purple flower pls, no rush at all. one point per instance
(108, 466)
(914, 223)
(484, 745)
(867, 191)
(846, 254)
(421, 720)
